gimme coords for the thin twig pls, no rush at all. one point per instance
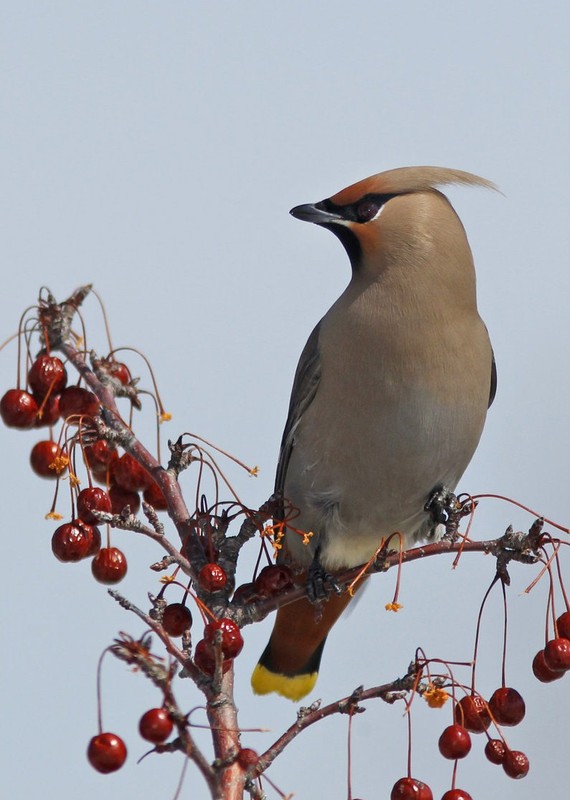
(389, 692)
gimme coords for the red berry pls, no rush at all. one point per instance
(410, 789)
(95, 545)
(43, 459)
(557, 654)
(495, 751)
(563, 625)
(121, 498)
(18, 409)
(472, 712)
(109, 565)
(273, 579)
(212, 577)
(515, 764)
(155, 725)
(129, 475)
(205, 658)
(47, 374)
(176, 619)
(154, 497)
(92, 534)
(425, 792)
(48, 411)
(73, 541)
(106, 752)
(244, 594)
(100, 454)
(247, 758)
(542, 671)
(454, 742)
(117, 369)
(507, 706)
(232, 641)
(121, 372)
(456, 794)
(92, 499)
(75, 401)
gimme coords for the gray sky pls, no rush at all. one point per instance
(155, 150)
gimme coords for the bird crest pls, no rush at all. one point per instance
(408, 179)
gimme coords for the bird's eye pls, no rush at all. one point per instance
(366, 210)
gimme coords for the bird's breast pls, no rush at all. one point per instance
(397, 413)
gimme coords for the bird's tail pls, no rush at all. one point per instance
(289, 665)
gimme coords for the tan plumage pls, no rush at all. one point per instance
(390, 395)
(408, 179)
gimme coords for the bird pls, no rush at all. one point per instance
(389, 398)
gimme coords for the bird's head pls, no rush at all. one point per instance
(395, 216)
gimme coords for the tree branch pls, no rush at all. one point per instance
(389, 692)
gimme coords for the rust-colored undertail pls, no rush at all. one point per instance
(289, 664)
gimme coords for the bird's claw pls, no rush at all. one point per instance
(320, 583)
(441, 505)
(446, 509)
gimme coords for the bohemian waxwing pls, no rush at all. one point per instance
(389, 398)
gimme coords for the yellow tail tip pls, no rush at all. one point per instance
(294, 687)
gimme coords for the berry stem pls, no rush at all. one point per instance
(99, 702)
(561, 581)
(105, 319)
(516, 503)
(478, 630)
(409, 714)
(349, 756)
(505, 630)
(454, 773)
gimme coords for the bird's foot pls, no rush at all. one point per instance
(381, 557)
(445, 509)
(442, 502)
(320, 583)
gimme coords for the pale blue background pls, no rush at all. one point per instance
(155, 149)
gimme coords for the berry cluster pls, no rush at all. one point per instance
(107, 752)
(212, 655)
(271, 580)
(222, 642)
(473, 714)
(49, 400)
(222, 633)
(553, 661)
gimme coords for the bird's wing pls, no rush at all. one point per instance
(305, 386)
(493, 390)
